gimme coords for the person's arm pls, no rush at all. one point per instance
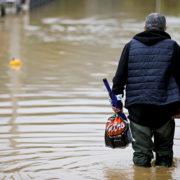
(120, 77)
(176, 64)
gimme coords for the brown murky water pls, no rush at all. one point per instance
(53, 110)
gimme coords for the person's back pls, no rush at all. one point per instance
(148, 68)
(150, 80)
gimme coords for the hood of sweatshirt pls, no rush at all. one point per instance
(151, 37)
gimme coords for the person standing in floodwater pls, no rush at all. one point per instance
(149, 67)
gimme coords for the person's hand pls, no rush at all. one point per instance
(116, 110)
(120, 104)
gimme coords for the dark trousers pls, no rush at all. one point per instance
(148, 140)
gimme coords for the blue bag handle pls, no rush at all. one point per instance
(113, 98)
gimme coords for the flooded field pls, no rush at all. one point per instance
(53, 109)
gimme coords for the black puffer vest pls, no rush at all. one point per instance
(150, 80)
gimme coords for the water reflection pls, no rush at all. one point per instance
(53, 110)
(139, 173)
(14, 91)
(153, 173)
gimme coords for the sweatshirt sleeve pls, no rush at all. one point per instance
(176, 64)
(120, 77)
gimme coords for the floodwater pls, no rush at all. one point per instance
(54, 108)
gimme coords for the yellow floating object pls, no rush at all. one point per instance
(15, 63)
